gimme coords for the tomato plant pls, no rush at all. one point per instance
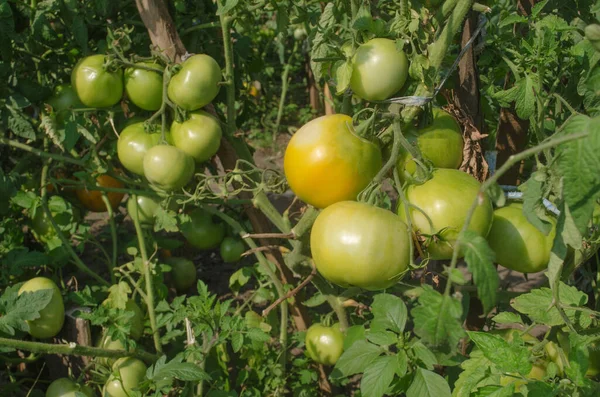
(354, 244)
(445, 199)
(183, 273)
(199, 136)
(324, 344)
(144, 87)
(92, 199)
(379, 70)
(167, 167)
(65, 387)
(52, 316)
(96, 86)
(325, 162)
(232, 249)
(197, 82)
(518, 244)
(201, 231)
(132, 146)
(128, 373)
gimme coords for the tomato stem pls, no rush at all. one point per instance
(113, 234)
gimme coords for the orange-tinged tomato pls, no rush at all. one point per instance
(325, 162)
(92, 199)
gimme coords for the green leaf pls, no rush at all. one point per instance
(402, 364)
(579, 359)
(421, 353)
(118, 295)
(537, 304)
(537, 8)
(382, 338)
(240, 278)
(165, 220)
(480, 261)
(80, 32)
(522, 93)
(512, 19)
(176, 369)
(15, 309)
(363, 19)
(533, 206)
(316, 300)
(226, 6)
(428, 384)
(258, 335)
(237, 341)
(507, 357)
(378, 376)
(540, 389)
(319, 44)
(19, 124)
(507, 318)
(353, 334)
(474, 370)
(437, 318)
(356, 359)
(343, 73)
(389, 313)
(579, 164)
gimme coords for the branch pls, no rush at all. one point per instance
(293, 292)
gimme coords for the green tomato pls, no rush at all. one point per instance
(326, 162)
(52, 316)
(137, 321)
(199, 136)
(168, 168)
(324, 345)
(95, 86)
(144, 211)
(201, 231)
(109, 344)
(446, 199)
(65, 387)
(63, 101)
(131, 373)
(183, 273)
(300, 34)
(356, 244)
(196, 84)
(441, 142)
(144, 87)
(538, 372)
(232, 249)
(379, 70)
(518, 244)
(133, 144)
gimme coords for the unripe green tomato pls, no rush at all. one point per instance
(144, 211)
(52, 316)
(65, 387)
(199, 136)
(63, 100)
(144, 87)
(324, 344)
(232, 249)
(109, 344)
(201, 231)
(168, 168)
(300, 34)
(379, 70)
(197, 83)
(137, 321)
(131, 371)
(538, 372)
(183, 273)
(592, 32)
(95, 86)
(133, 144)
(518, 244)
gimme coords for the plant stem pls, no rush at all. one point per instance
(38, 152)
(284, 88)
(261, 201)
(113, 235)
(148, 277)
(74, 349)
(199, 27)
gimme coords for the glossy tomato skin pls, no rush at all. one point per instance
(232, 249)
(183, 273)
(137, 321)
(63, 100)
(197, 83)
(379, 70)
(133, 144)
(324, 345)
(446, 199)
(518, 244)
(441, 142)
(65, 387)
(108, 343)
(52, 316)
(201, 231)
(199, 136)
(355, 244)
(144, 211)
(131, 371)
(167, 167)
(96, 87)
(325, 162)
(92, 199)
(537, 373)
(144, 87)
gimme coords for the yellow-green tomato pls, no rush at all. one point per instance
(324, 344)
(197, 83)
(538, 372)
(108, 343)
(441, 142)
(144, 87)
(131, 372)
(356, 244)
(133, 144)
(325, 162)
(65, 387)
(144, 209)
(379, 70)
(52, 316)
(518, 244)
(137, 321)
(199, 136)
(183, 273)
(446, 199)
(96, 86)
(168, 168)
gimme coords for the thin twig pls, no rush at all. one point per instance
(270, 235)
(290, 294)
(260, 249)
